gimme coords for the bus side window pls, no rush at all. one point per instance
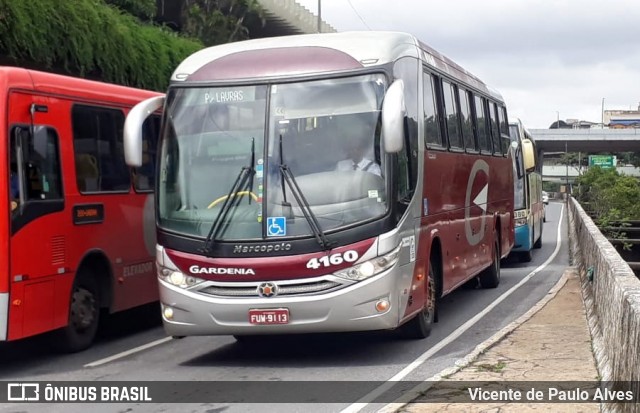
(40, 178)
(451, 116)
(504, 129)
(98, 140)
(495, 130)
(484, 138)
(465, 119)
(433, 137)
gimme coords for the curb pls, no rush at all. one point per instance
(480, 348)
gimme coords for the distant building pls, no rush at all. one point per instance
(572, 124)
(620, 119)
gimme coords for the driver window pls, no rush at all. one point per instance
(34, 166)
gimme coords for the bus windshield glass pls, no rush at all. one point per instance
(323, 133)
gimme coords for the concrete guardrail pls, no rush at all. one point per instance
(612, 298)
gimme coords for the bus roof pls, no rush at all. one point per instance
(312, 54)
(60, 85)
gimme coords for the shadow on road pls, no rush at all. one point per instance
(37, 352)
(339, 349)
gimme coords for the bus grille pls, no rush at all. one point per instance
(322, 286)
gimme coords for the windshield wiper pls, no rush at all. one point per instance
(232, 200)
(287, 176)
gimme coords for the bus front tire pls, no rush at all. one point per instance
(420, 326)
(84, 315)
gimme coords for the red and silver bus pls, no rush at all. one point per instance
(265, 224)
(79, 228)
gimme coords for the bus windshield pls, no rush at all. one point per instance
(325, 133)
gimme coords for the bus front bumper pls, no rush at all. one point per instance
(352, 308)
(522, 239)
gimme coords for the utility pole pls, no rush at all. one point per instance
(319, 16)
(566, 160)
(602, 113)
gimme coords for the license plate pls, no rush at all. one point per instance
(271, 316)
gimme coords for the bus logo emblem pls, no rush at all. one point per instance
(20, 392)
(480, 200)
(267, 290)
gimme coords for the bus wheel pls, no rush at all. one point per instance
(538, 243)
(248, 339)
(84, 314)
(525, 256)
(490, 277)
(420, 326)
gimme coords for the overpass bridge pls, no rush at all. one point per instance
(286, 17)
(281, 18)
(562, 173)
(586, 140)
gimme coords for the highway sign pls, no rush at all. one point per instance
(603, 161)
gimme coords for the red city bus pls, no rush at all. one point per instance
(322, 183)
(79, 232)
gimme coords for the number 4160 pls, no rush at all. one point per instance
(333, 259)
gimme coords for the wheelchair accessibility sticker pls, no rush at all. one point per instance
(276, 226)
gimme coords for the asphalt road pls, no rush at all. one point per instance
(467, 317)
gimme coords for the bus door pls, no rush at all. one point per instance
(37, 243)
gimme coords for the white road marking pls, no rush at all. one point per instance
(128, 352)
(364, 401)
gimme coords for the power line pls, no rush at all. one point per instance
(358, 14)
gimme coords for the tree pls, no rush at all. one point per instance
(573, 160)
(219, 21)
(631, 158)
(612, 197)
(93, 39)
(145, 10)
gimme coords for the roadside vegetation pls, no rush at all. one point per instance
(117, 41)
(613, 199)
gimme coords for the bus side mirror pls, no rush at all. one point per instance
(528, 155)
(133, 128)
(393, 112)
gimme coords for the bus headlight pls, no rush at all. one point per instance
(520, 222)
(370, 268)
(178, 278)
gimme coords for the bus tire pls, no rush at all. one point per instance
(538, 243)
(248, 339)
(525, 256)
(420, 325)
(490, 277)
(84, 316)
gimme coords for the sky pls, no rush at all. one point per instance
(548, 58)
